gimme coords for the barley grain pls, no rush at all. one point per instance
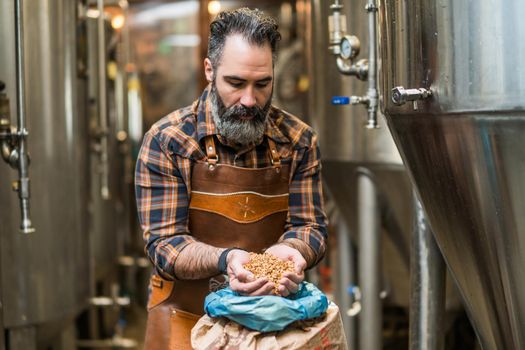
(269, 266)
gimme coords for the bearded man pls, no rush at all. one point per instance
(229, 175)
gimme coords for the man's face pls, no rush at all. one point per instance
(242, 87)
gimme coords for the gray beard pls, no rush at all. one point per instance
(231, 127)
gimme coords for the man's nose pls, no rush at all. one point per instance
(248, 98)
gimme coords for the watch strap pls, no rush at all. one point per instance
(223, 266)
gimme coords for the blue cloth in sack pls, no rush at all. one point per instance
(267, 313)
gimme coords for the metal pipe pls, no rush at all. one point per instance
(345, 68)
(8, 149)
(370, 325)
(345, 271)
(102, 90)
(363, 69)
(337, 26)
(372, 94)
(427, 287)
(23, 158)
(358, 69)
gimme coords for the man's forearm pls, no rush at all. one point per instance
(303, 248)
(197, 260)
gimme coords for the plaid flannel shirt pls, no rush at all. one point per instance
(163, 178)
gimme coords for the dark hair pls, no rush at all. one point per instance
(252, 24)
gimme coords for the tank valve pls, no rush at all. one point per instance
(350, 100)
(10, 145)
(400, 95)
(346, 47)
(356, 307)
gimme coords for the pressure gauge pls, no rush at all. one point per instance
(349, 47)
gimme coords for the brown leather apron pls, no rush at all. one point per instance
(229, 207)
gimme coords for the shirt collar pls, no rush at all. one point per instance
(275, 118)
(206, 125)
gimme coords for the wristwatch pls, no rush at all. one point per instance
(223, 266)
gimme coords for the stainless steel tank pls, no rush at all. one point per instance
(464, 146)
(346, 145)
(110, 174)
(44, 275)
(103, 159)
(364, 176)
(341, 128)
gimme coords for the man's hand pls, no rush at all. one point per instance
(289, 284)
(242, 280)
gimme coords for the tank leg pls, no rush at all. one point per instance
(345, 271)
(21, 338)
(370, 322)
(67, 339)
(2, 329)
(427, 287)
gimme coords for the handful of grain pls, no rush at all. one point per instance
(269, 266)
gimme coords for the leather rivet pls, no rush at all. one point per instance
(173, 312)
(210, 148)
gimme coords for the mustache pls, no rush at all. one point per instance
(237, 111)
(233, 113)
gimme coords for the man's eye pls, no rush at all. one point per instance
(261, 85)
(236, 85)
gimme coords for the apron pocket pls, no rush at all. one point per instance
(181, 323)
(160, 291)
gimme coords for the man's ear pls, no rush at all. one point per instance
(208, 70)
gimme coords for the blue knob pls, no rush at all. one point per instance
(340, 100)
(350, 289)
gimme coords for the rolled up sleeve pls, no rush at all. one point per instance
(162, 204)
(306, 217)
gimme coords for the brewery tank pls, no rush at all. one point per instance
(347, 146)
(463, 145)
(103, 158)
(44, 275)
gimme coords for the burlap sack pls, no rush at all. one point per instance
(325, 332)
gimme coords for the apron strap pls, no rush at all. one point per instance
(211, 152)
(213, 158)
(274, 155)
